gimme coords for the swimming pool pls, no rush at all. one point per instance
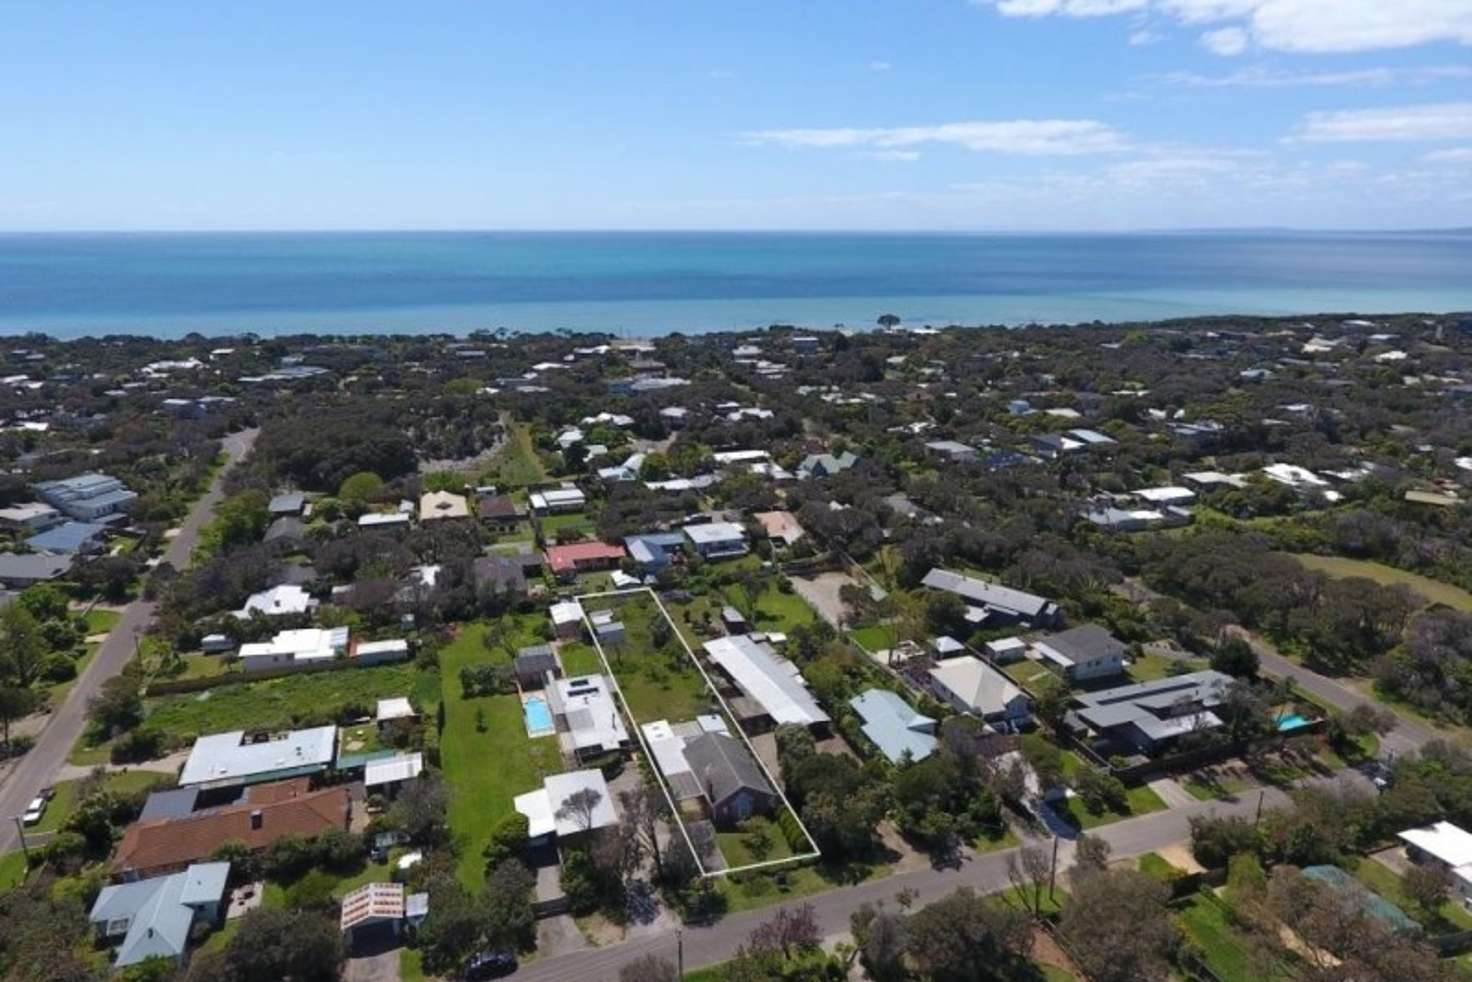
(1292, 722)
(538, 716)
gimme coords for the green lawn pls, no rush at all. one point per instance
(1027, 672)
(657, 682)
(12, 870)
(580, 658)
(1209, 926)
(1148, 668)
(1155, 865)
(101, 621)
(1006, 840)
(517, 465)
(284, 702)
(785, 884)
(485, 770)
(737, 851)
(1208, 787)
(1451, 916)
(1434, 591)
(552, 524)
(876, 637)
(65, 802)
(411, 965)
(772, 610)
(1140, 801)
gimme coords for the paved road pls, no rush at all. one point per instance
(1409, 736)
(40, 767)
(986, 874)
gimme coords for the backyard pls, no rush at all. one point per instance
(517, 465)
(485, 752)
(1207, 921)
(658, 681)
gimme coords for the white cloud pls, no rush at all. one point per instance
(879, 66)
(1442, 121)
(1288, 25)
(1225, 41)
(902, 156)
(1145, 36)
(1267, 79)
(1016, 136)
(1457, 155)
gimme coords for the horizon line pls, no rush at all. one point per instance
(514, 230)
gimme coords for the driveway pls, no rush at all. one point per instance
(821, 593)
(40, 767)
(380, 967)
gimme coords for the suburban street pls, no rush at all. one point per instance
(985, 874)
(39, 767)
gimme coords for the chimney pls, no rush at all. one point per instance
(255, 820)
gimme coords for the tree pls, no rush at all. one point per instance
(1428, 885)
(1090, 855)
(421, 809)
(118, 704)
(1027, 871)
(649, 968)
(1119, 925)
(1215, 840)
(888, 321)
(22, 648)
(45, 602)
(788, 932)
(951, 938)
(882, 937)
(643, 809)
(1235, 657)
(454, 927)
(507, 904)
(274, 944)
(15, 704)
(507, 837)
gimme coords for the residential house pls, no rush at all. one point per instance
(951, 450)
(534, 664)
(153, 918)
(302, 648)
(383, 520)
(1148, 717)
(567, 619)
(388, 775)
(717, 540)
(236, 758)
(1138, 519)
(1053, 445)
(439, 505)
(154, 846)
(993, 603)
(70, 539)
(893, 726)
(30, 517)
(380, 652)
(654, 551)
(588, 720)
(550, 810)
(781, 527)
(970, 685)
(500, 512)
(568, 561)
(502, 575)
(373, 908)
(772, 688)
(86, 497)
(1446, 846)
(285, 600)
(1083, 653)
(557, 500)
(730, 779)
(291, 503)
(826, 464)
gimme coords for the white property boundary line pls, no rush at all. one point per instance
(654, 763)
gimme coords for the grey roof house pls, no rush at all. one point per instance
(22, 571)
(1149, 715)
(893, 726)
(153, 917)
(733, 784)
(1084, 652)
(996, 602)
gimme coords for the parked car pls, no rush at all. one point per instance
(490, 964)
(35, 810)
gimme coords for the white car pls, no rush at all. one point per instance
(34, 812)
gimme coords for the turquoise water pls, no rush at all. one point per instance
(538, 716)
(652, 283)
(1292, 722)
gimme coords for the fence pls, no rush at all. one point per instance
(178, 686)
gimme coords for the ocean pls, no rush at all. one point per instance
(642, 284)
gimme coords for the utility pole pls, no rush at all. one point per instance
(680, 952)
(20, 829)
(1053, 873)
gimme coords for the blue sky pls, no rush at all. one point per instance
(841, 114)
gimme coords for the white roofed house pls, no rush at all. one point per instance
(567, 619)
(380, 652)
(717, 540)
(236, 758)
(970, 685)
(280, 601)
(772, 688)
(1447, 846)
(588, 719)
(568, 805)
(295, 649)
(563, 499)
